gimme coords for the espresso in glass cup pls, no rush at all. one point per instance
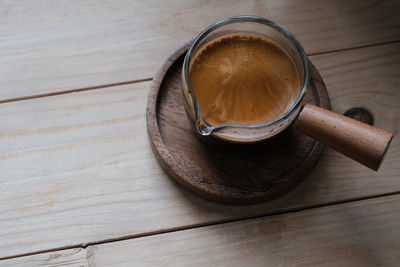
(244, 81)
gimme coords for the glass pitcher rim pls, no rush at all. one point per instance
(245, 18)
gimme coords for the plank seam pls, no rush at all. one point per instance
(7, 100)
(87, 246)
(73, 90)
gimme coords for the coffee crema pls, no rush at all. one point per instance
(243, 79)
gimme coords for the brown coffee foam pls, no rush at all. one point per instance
(243, 79)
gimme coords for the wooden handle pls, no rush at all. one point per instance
(359, 141)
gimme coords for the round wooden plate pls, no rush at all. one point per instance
(223, 172)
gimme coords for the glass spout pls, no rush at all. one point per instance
(203, 127)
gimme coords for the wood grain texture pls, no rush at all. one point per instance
(364, 233)
(220, 171)
(50, 46)
(360, 233)
(367, 78)
(70, 257)
(359, 141)
(78, 168)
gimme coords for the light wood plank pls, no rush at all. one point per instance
(78, 168)
(356, 234)
(70, 257)
(48, 46)
(360, 233)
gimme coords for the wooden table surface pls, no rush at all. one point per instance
(79, 183)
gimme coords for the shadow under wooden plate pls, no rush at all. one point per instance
(223, 172)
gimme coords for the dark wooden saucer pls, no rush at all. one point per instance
(223, 172)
